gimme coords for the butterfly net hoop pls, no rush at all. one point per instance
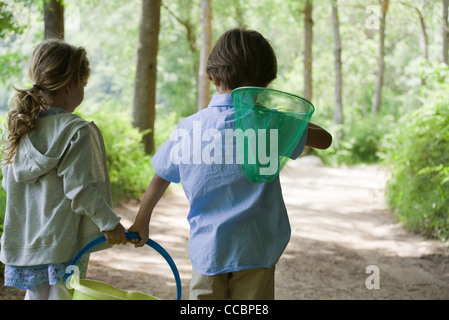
(269, 125)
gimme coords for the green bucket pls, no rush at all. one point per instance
(85, 289)
(269, 125)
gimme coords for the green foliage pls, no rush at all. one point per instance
(164, 126)
(11, 64)
(418, 190)
(129, 167)
(359, 141)
(7, 21)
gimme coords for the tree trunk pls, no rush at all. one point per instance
(375, 108)
(425, 39)
(308, 31)
(144, 110)
(206, 45)
(338, 108)
(445, 32)
(53, 19)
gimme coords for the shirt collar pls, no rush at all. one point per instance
(222, 100)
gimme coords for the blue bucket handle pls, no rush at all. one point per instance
(132, 235)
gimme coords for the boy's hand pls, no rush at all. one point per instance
(141, 225)
(143, 231)
(116, 235)
(317, 137)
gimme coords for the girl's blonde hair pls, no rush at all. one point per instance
(54, 65)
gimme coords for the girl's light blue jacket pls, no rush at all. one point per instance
(58, 192)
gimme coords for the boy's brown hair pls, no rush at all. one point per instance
(242, 58)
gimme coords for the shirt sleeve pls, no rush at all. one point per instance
(85, 177)
(300, 146)
(165, 160)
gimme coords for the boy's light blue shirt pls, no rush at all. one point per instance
(235, 224)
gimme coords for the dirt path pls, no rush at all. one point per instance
(340, 226)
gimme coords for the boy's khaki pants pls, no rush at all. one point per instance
(251, 284)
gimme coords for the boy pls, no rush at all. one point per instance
(238, 229)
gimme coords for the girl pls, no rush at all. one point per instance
(55, 176)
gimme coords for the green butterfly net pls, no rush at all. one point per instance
(269, 125)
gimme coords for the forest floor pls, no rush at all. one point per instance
(340, 226)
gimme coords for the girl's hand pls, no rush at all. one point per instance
(116, 235)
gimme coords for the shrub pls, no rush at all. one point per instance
(360, 141)
(417, 151)
(129, 166)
